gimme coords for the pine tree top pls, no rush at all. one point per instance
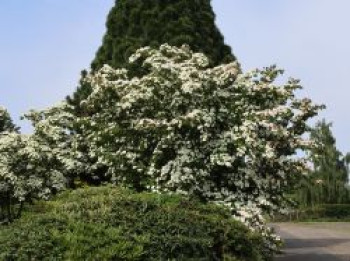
(132, 24)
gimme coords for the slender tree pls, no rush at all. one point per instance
(327, 183)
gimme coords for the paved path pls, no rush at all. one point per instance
(314, 241)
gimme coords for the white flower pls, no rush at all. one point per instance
(191, 129)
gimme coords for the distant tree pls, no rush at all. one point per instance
(327, 183)
(347, 163)
(132, 24)
(6, 123)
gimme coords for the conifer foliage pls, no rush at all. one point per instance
(132, 24)
(6, 123)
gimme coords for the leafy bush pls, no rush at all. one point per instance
(109, 223)
(338, 211)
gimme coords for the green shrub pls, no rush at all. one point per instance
(110, 223)
(325, 212)
(329, 212)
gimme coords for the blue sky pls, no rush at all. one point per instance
(44, 45)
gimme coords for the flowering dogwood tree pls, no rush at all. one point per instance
(53, 128)
(41, 164)
(213, 133)
(175, 126)
(34, 166)
(57, 127)
(27, 172)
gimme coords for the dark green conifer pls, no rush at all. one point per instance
(6, 123)
(132, 24)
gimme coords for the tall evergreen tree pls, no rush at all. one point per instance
(328, 181)
(132, 24)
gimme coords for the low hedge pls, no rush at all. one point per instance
(110, 223)
(325, 212)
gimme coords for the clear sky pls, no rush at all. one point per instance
(44, 45)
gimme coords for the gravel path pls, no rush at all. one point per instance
(314, 241)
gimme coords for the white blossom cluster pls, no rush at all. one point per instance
(35, 166)
(214, 133)
(24, 171)
(53, 128)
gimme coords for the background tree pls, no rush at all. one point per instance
(132, 24)
(6, 123)
(137, 23)
(327, 183)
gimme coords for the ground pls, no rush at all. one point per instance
(314, 241)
